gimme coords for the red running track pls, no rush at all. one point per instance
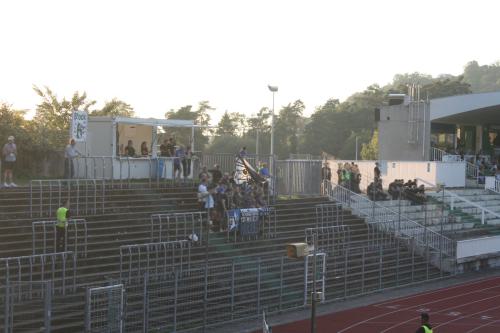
(469, 307)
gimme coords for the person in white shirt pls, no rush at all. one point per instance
(205, 197)
(70, 153)
(9, 156)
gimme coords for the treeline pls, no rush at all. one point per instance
(331, 129)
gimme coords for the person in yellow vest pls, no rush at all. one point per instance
(426, 327)
(61, 225)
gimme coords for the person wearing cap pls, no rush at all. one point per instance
(70, 153)
(9, 157)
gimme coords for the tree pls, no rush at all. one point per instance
(370, 150)
(484, 78)
(200, 117)
(53, 117)
(115, 108)
(226, 125)
(445, 87)
(288, 128)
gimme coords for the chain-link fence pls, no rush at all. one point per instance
(104, 309)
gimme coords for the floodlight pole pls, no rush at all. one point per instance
(273, 89)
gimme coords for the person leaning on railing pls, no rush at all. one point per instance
(70, 153)
(62, 215)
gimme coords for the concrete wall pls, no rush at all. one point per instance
(471, 248)
(394, 134)
(452, 174)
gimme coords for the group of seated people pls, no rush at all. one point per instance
(397, 189)
(219, 192)
(408, 191)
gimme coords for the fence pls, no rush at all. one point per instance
(458, 204)
(46, 233)
(251, 223)
(492, 184)
(330, 240)
(59, 267)
(386, 220)
(220, 292)
(87, 196)
(104, 309)
(298, 177)
(178, 226)
(16, 297)
(154, 258)
(329, 214)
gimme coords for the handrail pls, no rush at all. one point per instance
(492, 184)
(387, 219)
(471, 170)
(456, 196)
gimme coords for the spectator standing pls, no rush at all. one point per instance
(130, 150)
(339, 174)
(9, 157)
(326, 172)
(144, 149)
(62, 215)
(205, 198)
(216, 174)
(179, 156)
(70, 153)
(376, 172)
(243, 152)
(164, 152)
(186, 162)
(171, 147)
(203, 173)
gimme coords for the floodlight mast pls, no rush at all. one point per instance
(272, 89)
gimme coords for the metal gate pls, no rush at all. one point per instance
(298, 177)
(18, 297)
(104, 309)
(318, 277)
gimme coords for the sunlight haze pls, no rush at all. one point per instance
(161, 55)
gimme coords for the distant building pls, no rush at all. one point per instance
(409, 127)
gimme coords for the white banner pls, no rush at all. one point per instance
(79, 125)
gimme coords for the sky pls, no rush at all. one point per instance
(161, 55)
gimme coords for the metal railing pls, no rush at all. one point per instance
(471, 170)
(442, 156)
(330, 214)
(86, 196)
(385, 219)
(154, 258)
(330, 240)
(46, 233)
(16, 294)
(58, 267)
(251, 223)
(178, 226)
(456, 202)
(492, 184)
(219, 292)
(104, 309)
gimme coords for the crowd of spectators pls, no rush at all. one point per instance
(348, 176)
(218, 192)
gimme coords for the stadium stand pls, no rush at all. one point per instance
(368, 261)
